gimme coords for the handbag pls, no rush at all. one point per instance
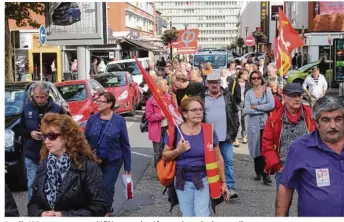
(144, 123)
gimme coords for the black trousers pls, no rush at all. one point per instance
(259, 162)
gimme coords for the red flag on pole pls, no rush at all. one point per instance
(170, 111)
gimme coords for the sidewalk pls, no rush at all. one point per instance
(255, 198)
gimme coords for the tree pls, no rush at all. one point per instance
(240, 42)
(169, 36)
(260, 37)
(20, 12)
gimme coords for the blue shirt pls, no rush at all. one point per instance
(195, 156)
(317, 173)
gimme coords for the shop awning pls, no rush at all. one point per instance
(144, 45)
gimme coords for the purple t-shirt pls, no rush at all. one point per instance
(195, 156)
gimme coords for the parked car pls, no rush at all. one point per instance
(80, 95)
(66, 13)
(129, 65)
(252, 54)
(126, 91)
(17, 95)
(300, 74)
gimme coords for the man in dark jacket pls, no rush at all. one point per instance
(185, 88)
(222, 111)
(30, 121)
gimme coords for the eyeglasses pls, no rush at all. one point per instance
(51, 136)
(195, 110)
(101, 101)
(256, 78)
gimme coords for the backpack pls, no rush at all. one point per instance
(144, 123)
(166, 170)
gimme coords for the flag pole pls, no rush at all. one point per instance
(179, 130)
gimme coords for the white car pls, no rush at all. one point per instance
(129, 65)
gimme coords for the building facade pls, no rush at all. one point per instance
(216, 20)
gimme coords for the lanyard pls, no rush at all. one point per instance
(107, 125)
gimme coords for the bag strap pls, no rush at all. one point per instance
(233, 87)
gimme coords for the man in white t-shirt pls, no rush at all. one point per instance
(316, 83)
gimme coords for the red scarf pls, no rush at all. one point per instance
(294, 118)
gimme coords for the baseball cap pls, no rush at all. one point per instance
(292, 88)
(238, 67)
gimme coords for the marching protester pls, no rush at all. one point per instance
(272, 73)
(284, 125)
(259, 102)
(238, 88)
(185, 88)
(315, 85)
(314, 166)
(197, 77)
(262, 67)
(231, 68)
(33, 112)
(208, 69)
(276, 91)
(193, 185)
(224, 75)
(157, 123)
(221, 111)
(69, 182)
(107, 134)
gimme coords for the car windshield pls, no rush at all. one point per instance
(14, 101)
(217, 61)
(112, 80)
(130, 67)
(305, 67)
(75, 92)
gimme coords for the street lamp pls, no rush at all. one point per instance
(276, 18)
(246, 30)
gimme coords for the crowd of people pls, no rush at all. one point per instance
(73, 173)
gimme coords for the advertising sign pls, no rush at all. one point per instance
(71, 23)
(331, 7)
(338, 59)
(187, 42)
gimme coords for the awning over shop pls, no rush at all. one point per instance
(140, 44)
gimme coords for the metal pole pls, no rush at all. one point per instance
(171, 52)
(331, 71)
(41, 62)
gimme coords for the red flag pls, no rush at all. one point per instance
(283, 57)
(170, 111)
(288, 36)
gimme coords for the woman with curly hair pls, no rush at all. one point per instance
(68, 181)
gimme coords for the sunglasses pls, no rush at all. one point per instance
(51, 136)
(256, 78)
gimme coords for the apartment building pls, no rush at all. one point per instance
(216, 20)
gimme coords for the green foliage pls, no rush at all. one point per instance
(260, 37)
(169, 36)
(21, 12)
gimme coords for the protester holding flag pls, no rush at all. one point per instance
(199, 166)
(157, 122)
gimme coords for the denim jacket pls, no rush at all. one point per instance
(116, 136)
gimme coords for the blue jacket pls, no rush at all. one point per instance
(30, 121)
(116, 136)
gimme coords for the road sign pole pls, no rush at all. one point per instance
(41, 63)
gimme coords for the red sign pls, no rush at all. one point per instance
(331, 7)
(187, 42)
(250, 41)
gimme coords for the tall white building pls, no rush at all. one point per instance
(216, 20)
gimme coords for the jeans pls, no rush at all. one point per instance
(31, 168)
(110, 171)
(227, 154)
(243, 121)
(192, 202)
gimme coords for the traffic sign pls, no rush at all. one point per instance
(249, 40)
(42, 35)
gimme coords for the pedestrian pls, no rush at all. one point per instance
(186, 88)
(323, 66)
(262, 67)
(101, 67)
(157, 122)
(161, 72)
(169, 77)
(314, 166)
(208, 69)
(11, 209)
(33, 112)
(162, 62)
(284, 125)
(196, 77)
(276, 91)
(192, 184)
(248, 67)
(299, 60)
(259, 102)
(224, 74)
(231, 68)
(74, 67)
(94, 68)
(221, 111)
(315, 85)
(107, 134)
(238, 88)
(69, 182)
(293, 61)
(273, 73)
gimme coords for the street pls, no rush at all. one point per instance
(255, 198)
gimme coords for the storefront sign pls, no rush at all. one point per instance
(338, 59)
(36, 43)
(111, 55)
(331, 7)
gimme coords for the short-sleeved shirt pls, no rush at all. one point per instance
(195, 156)
(317, 173)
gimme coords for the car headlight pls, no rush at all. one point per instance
(9, 138)
(77, 117)
(123, 96)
